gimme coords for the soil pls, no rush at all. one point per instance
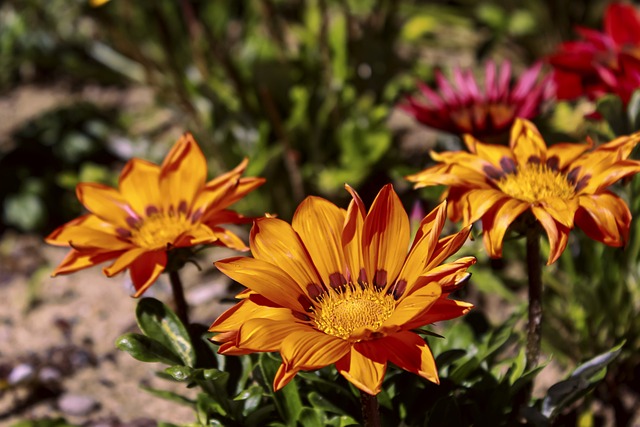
(58, 357)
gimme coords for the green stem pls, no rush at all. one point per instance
(534, 271)
(370, 412)
(182, 309)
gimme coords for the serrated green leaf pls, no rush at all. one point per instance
(146, 349)
(158, 321)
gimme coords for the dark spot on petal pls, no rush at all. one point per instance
(553, 163)
(399, 288)
(362, 278)
(492, 172)
(123, 232)
(196, 215)
(182, 207)
(583, 182)
(151, 210)
(337, 280)
(572, 176)
(314, 290)
(380, 279)
(508, 165)
(534, 160)
(301, 316)
(133, 222)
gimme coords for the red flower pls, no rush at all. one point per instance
(462, 107)
(602, 62)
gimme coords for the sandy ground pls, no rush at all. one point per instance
(57, 357)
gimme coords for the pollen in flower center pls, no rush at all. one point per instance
(342, 311)
(158, 230)
(536, 182)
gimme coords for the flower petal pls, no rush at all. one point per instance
(364, 366)
(319, 224)
(424, 244)
(183, 173)
(496, 222)
(146, 269)
(138, 185)
(557, 233)
(412, 305)
(352, 238)
(106, 203)
(527, 143)
(78, 260)
(442, 309)
(267, 335)
(309, 349)
(266, 279)
(88, 231)
(276, 242)
(605, 218)
(124, 261)
(385, 238)
(410, 352)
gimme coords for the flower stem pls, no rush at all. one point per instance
(370, 412)
(534, 271)
(182, 309)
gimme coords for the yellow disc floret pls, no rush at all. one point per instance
(160, 229)
(536, 182)
(342, 311)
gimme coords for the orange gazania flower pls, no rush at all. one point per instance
(338, 287)
(563, 185)
(155, 209)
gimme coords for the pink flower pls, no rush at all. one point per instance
(462, 107)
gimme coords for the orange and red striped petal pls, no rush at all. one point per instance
(526, 143)
(183, 174)
(266, 279)
(78, 260)
(146, 269)
(276, 242)
(605, 218)
(309, 349)
(385, 238)
(267, 334)
(364, 366)
(138, 185)
(557, 233)
(496, 222)
(410, 352)
(319, 224)
(352, 238)
(88, 232)
(442, 309)
(106, 203)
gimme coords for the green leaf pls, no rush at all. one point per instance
(320, 402)
(287, 400)
(170, 396)
(311, 417)
(612, 110)
(159, 322)
(146, 349)
(581, 381)
(490, 284)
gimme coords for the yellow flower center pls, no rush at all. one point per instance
(536, 182)
(160, 229)
(342, 311)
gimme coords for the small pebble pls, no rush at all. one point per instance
(21, 373)
(75, 404)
